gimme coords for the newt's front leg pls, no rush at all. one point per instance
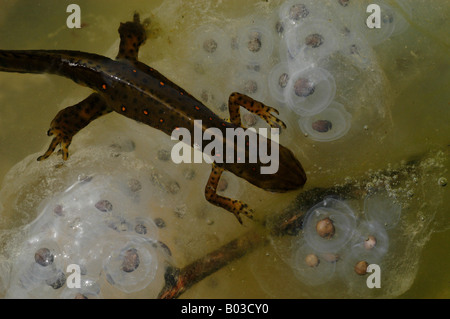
(236, 100)
(234, 206)
(71, 120)
(132, 36)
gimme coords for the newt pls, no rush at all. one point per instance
(137, 91)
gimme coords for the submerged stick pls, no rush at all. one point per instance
(179, 280)
(288, 222)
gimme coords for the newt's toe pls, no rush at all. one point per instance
(59, 139)
(242, 208)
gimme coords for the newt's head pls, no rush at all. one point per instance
(281, 173)
(290, 174)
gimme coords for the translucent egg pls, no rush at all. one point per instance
(371, 242)
(391, 22)
(250, 83)
(88, 257)
(278, 80)
(87, 251)
(96, 223)
(255, 43)
(132, 264)
(87, 210)
(144, 227)
(276, 25)
(310, 91)
(122, 146)
(353, 269)
(86, 203)
(380, 207)
(89, 289)
(328, 125)
(229, 185)
(358, 50)
(39, 269)
(211, 45)
(343, 223)
(309, 266)
(313, 40)
(212, 97)
(294, 12)
(250, 119)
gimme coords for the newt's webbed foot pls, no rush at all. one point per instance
(60, 139)
(236, 207)
(132, 35)
(71, 120)
(236, 100)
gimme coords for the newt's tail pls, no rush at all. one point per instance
(83, 68)
(32, 61)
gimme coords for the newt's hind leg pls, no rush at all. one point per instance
(71, 120)
(236, 100)
(132, 36)
(234, 206)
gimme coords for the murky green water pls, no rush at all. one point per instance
(413, 68)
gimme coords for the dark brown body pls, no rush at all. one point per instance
(139, 92)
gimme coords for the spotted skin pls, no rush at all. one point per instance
(139, 92)
(132, 36)
(71, 120)
(236, 100)
(236, 207)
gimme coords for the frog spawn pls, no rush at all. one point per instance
(110, 243)
(336, 245)
(211, 45)
(41, 270)
(310, 91)
(255, 43)
(333, 232)
(327, 127)
(393, 22)
(288, 60)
